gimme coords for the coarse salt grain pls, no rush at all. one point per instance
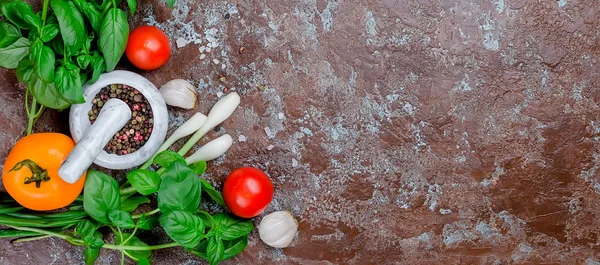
(242, 138)
(281, 116)
(219, 94)
(294, 162)
(208, 49)
(223, 66)
(197, 41)
(202, 56)
(270, 147)
(181, 42)
(216, 61)
(202, 49)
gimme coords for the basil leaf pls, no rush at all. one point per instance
(206, 218)
(121, 219)
(101, 194)
(130, 204)
(8, 34)
(132, 6)
(90, 11)
(215, 250)
(147, 223)
(234, 247)
(69, 84)
(144, 181)
(43, 61)
(83, 61)
(21, 14)
(90, 255)
(183, 227)
(230, 228)
(134, 241)
(98, 67)
(199, 167)
(11, 55)
(114, 33)
(49, 32)
(171, 3)
(58, 45)
(142, 261)
(212, 193)
(47, 94)
(168, 157)
(88, 233)
(200, 250)
(179, 189)
(71, 23)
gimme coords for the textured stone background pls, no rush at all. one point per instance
(412, 132)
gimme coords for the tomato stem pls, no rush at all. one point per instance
(38, 174)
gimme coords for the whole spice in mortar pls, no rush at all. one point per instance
(137, 131)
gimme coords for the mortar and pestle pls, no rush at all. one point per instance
(91, 138)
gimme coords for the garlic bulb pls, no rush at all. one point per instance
(179, 93)
(278, 229)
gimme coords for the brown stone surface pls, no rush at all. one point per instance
(413, 132)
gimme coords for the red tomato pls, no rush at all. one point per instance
(247, 192)
(148, 48)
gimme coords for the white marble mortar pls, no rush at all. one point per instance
(79, 120)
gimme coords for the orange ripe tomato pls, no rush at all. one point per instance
(30, 174)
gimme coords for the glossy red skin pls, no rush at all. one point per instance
(148, 48)
(247, 192)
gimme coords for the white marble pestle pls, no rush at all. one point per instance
(113, 117)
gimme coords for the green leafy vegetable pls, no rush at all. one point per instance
(147, 223)
(180, 189)
(167, 158)
(43, 61)
(21, 15)
(144, 181)
(8, 34)
(199, 167)
(71, 24)
(68, 83)
(132, 6)
(230, 228)
(49, 32)
(90, 255)
(101, 194)
(121, 218)
(88, 233)
(114, 33)
(215, 250)
(234, 247)
(11, 55)
(130, 204)
(134, 241)
(183, 227)
(214, 194)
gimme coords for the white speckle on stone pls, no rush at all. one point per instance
(562, 3)
(294, 162)
(371, 24)
(242, 138)
(202, 56)
(181, 42)
(464, 84)
(269, 132)
(327, 17)
(219, 94)
(445, 211)
(499, 4)
(281, 116)
(270, 147)
(202, 49)
(490, 43)
(409, 109)
(216, 61)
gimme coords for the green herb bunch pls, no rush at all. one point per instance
(178, 190)
(60, 48)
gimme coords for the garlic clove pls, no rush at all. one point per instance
(278, 229)
(179, 93)
(211, 150)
